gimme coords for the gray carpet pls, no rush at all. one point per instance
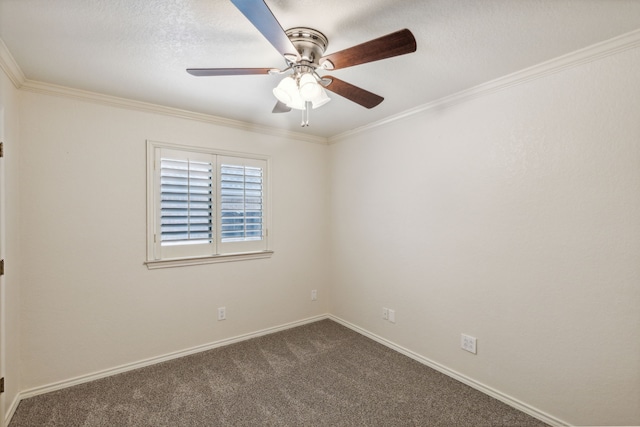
(321, 374)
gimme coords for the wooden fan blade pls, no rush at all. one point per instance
(281, 107)
(394, 44)
(201, 72)
(353, 93)
(262, 18)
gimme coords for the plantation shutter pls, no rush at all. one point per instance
(186, 207)
(203, 204)
(241, 203)
(241, 200)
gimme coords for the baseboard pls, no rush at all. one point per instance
(158, 359)
(515, 403)
(12, 409)
(496, 394)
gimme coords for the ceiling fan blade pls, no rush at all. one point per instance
(353, 93)
(394, 44)
(281, 107)
(262, 18)
(200, 72)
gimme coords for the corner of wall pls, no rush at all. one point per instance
(10, 67)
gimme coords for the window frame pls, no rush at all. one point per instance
(221, 251)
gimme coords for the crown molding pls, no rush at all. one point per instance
(17, 77)
(591, 53)
(10, 66)
(114, 101)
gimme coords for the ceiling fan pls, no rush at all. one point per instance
(303, 50)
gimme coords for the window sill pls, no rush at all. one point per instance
(182, 262)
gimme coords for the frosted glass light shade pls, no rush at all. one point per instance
(322, 99)
(286, 90)
(297, 103)
(310, 90)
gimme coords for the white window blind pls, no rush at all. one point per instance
(186, 215)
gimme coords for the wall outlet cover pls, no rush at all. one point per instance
(392, 316)
(468, 343)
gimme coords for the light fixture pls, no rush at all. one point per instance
(322, 99)
(309, 87)
(301, 91)
(285, 90)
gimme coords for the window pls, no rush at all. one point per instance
(204, 206)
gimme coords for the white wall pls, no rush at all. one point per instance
(515, 218)
(10, 240)
(88, 302)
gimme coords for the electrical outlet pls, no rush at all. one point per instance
(314, 295)
(385, 313)
(222, 313)
(468, 343)
(392, 316)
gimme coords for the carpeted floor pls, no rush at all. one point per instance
(321, 374)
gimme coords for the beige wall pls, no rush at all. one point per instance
(514, 218)
(10, 240)
(88, 302)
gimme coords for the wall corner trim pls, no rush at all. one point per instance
(10, 66)
(496, 394)
(627, 41)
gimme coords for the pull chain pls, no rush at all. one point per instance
(305, 114)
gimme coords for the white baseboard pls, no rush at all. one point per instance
(12, 409)
(496, 394)
(515, 403)
(158, 359)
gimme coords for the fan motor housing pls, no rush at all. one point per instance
(309, 43)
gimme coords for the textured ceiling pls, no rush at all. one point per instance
(139, 49)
